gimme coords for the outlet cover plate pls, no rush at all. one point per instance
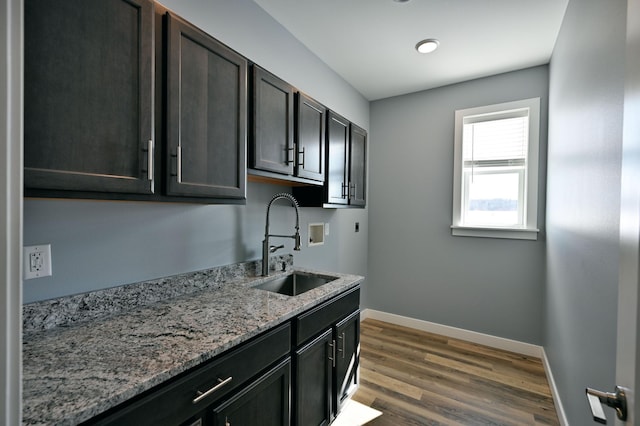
(37, 261)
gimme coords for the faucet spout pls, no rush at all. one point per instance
(266, 248)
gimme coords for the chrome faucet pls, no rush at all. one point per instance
(266, 248)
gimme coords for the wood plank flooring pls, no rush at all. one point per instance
(419, 378)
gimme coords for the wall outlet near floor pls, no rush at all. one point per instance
(37, 261)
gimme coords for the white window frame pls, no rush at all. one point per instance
(529, 231)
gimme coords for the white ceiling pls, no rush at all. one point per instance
(370, 43)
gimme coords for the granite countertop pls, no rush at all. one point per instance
(72, 373)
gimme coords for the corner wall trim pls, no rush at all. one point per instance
(562, 416)
(479, 338)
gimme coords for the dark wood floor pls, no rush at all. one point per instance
(419, 378)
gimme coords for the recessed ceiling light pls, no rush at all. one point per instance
(428, 45)
(402, 1)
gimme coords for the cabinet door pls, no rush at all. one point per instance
(310, 138)
(206, 115)
(272, 128)
(88, 84)
(338, 158)
(347, 333)
(265, 402)
(357, 166)
(314, 366)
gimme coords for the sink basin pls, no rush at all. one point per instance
(294, 284)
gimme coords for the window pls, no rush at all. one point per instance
(495, 183)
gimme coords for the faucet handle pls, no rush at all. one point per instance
(273, 249)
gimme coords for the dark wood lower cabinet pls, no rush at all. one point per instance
(326, 363)
(196, 421)
(193, 396)
(314, 366)
(265, 402)
(347, 334)
(298, 373)
(327, 372)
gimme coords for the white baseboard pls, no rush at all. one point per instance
(479, 338)
(456, 333)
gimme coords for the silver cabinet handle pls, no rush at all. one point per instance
(286, 153)
(202, 395)
(616, 400)
(301, 164)
(332, 358)
(150, 147)
(179, 165)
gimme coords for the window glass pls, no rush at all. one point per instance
(493, 198)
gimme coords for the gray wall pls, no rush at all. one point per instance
(583, 200)
(102, 244)
(416, 268)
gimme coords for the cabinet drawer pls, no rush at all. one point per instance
(264, 402)
(325, 315)
(174, 402)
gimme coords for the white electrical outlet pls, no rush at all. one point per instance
(37, 261)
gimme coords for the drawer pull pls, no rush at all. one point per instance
(201, 395)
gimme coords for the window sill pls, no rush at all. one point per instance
(508, 233)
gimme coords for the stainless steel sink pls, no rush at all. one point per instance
(294, 284)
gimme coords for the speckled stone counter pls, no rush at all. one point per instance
(74, 372)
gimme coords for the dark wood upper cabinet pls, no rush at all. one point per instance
(88, 95)
(271, 144)
(206, 114)
(310, 138)
(125, 100)
(337, 184)
(357, 166)
(346, 168)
